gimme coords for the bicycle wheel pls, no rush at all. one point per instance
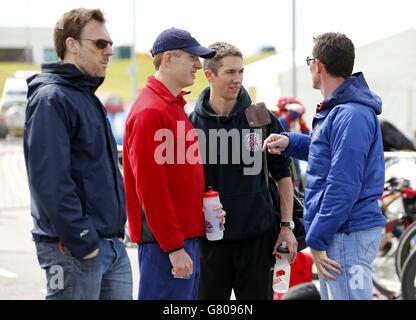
(383, 277)
(405, 247)
(409, 278)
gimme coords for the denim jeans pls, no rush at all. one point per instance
(106, 276)
(355, 252)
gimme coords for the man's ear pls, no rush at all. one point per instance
(318, 66)
(72, 45)
(208, 75)
(167, 57)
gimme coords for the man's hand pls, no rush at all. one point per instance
(276, 143)
(323, 264)
(182, 263)
(287, 235)
(285, 189)
(91, 255)
(221, 215)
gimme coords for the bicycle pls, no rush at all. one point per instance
(408, 283)
(407, 244)
(398, 204)
(405, 225)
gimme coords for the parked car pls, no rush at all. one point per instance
(116, 113)
(14, 116)
(13, 103)
(118, 122)
(112, 103)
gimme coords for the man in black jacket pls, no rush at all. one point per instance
(77, 193)
(243, 258)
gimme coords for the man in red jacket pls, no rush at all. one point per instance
(164, 182)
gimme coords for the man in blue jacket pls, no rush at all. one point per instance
(345, 174)
(77, 193)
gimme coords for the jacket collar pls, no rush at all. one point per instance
(72, 74)
(353, 89)
(204, 109)
(160, 89)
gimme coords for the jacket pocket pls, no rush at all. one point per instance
(100, 203)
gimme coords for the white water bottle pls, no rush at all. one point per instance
(212, 223)
(281, 270)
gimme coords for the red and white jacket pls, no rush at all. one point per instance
(163, 188)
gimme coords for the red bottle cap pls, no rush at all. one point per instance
(210, 193)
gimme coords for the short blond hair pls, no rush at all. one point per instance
(157, 58)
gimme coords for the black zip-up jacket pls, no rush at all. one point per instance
(245, 197)
(77, 192)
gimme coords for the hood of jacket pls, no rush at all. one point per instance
(64, 74)
(204, 109)
(353, 89)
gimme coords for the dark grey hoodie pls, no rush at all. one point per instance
(245, 197)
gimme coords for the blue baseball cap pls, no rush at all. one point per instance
(172, 39)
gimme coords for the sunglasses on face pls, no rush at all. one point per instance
(99, 43)
(308, 60)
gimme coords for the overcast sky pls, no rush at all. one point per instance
(246, 24)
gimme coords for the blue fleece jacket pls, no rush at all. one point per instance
(345, 173)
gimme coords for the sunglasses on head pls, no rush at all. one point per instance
(99, 43)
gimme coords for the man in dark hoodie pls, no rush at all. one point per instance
(243, 258)
(77, 193)
(345, 174)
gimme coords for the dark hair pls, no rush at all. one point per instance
(336, 52)
(222, 49)
(71, 25)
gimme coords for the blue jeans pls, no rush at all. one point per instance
(355, 252)
(106, 276)
(156, 279)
